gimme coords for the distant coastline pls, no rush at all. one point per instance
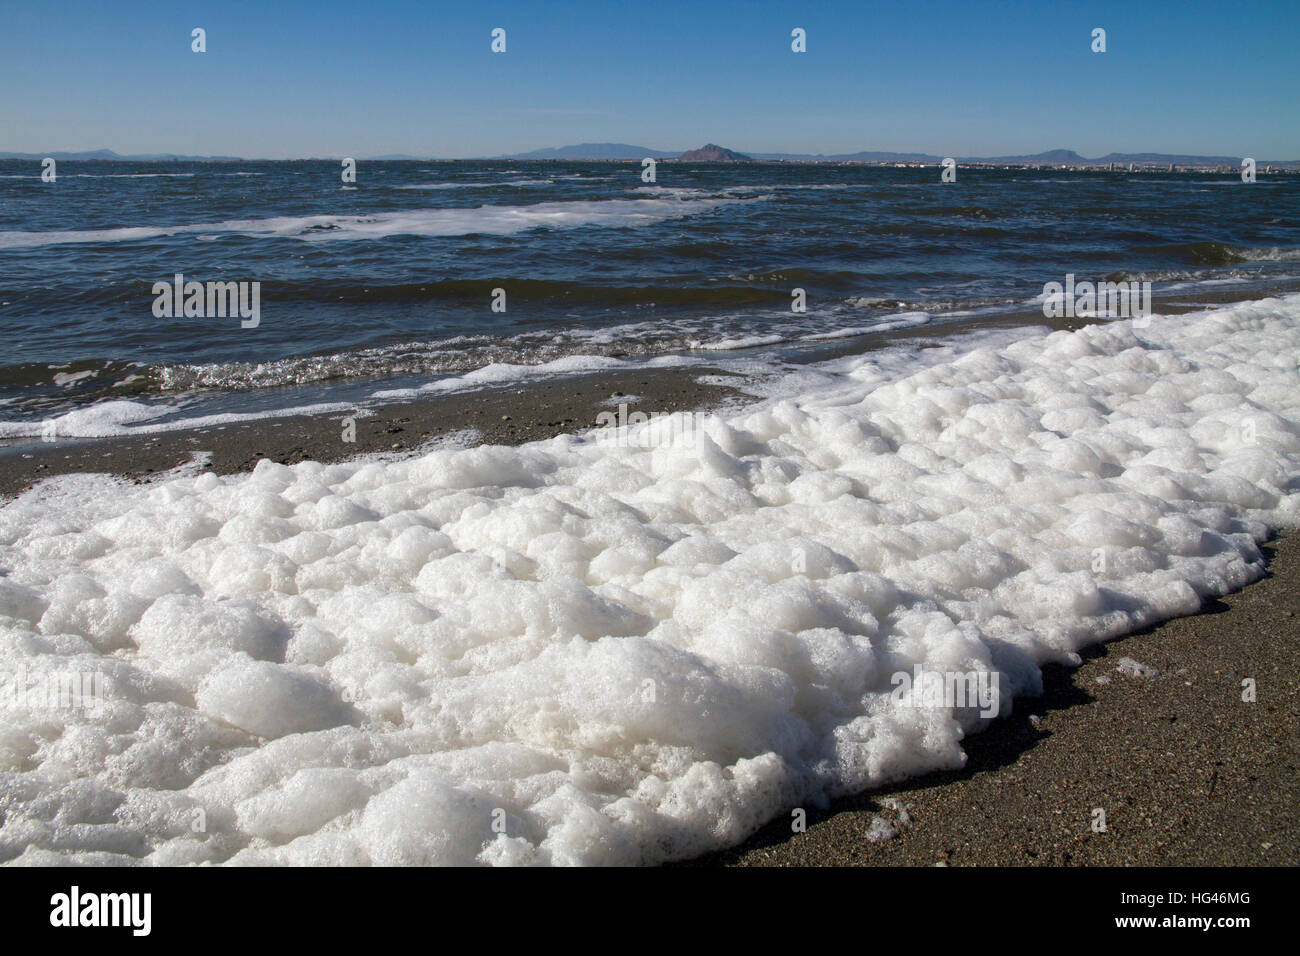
(623, 152)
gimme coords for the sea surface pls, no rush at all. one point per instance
(386, 286)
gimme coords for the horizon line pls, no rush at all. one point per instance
(651, 152)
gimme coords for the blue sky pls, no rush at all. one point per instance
(953, 77)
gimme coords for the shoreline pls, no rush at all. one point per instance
(1187, 773)
(497, 415)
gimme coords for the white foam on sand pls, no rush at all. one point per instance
(587, 651)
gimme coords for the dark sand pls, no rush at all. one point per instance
(1186, 772)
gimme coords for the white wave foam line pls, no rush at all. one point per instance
(742, 342)
(620, 654)
(484, 220)
(790, 186)
(507, 373)
(509, 182)
(127, 175)
(503, 373)
(124, 417)
(1275, 254)
(132, 175)
(887, 323)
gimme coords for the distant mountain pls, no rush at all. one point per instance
(1068, 157)
(711, 153)
(594, 151)
(108, 154)
(715, 153)
(91, 154)
(1053, 157)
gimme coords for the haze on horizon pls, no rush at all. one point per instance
(943, 77)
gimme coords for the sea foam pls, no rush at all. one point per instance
(497, 220)
(587, 651)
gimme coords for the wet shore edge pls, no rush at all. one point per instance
(505, 415)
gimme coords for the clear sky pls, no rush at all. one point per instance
(952, 77)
